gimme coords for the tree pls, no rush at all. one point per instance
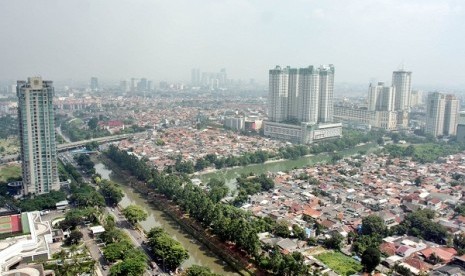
(335, 241)
(116, 251)
(166, 248)
(112, 193)
(370, 259)
(93, 123)
(373, 224)
(133, 264)
(134, 214)
(459, 243)
(218, 189)
(74, 237)
(197, 270)
(281, 229)
(434, 259)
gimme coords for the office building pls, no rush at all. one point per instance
(416, 98)
(300, 104)
(451, 114)
(94, 84)
(234, 123)
(442, 112)
(461, 127)
(195, 77)
(402, 83)
(142, 85)
(36, 118)
(380, 97)
(123, 86)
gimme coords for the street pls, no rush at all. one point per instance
(137, 237)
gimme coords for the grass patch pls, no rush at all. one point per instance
(340, 263)
(10, 172)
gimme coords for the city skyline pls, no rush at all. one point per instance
(166, 39)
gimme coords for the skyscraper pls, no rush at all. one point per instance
(451, 114)
(305, 94)
(300, 104)
(441, 114)
(94, 84)
(380, 97)
(402, 83)
(37, 136)
(195, 77)
(308, 91)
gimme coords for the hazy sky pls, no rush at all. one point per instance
(163, 40)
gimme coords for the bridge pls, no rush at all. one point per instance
(78, 144)
(74, 145)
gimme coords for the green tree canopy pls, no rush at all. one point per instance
(197, 270)
(134, 214)
(169, 250)
(373, 224)
(370, 259)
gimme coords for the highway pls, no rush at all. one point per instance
(73, 145)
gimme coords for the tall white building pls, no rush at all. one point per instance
(300, 104)
(442, 113)
(451, 115)
(309, 95)
(326, 90)
(278, 104)
(380, 97)
(402, 83)
(36, 118)
(305, 94)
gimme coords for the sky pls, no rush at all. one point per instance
(162, 40)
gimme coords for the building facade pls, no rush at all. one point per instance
(402, 83)
(36, 118)
(94, 84)
(442, 112)
(381, 97)
(299, 97)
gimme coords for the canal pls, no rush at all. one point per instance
(198, 254)
(230, 175)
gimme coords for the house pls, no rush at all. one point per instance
(112, 126)
(434, 204)
(445, 254)
(388, 248)
(287, 245)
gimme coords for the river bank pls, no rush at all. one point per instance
(229, 175)
(163, 213)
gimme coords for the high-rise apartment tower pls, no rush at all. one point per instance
(441, 114)
(402, 83)
(37, 136)
(304, 94)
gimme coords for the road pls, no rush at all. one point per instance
(95, 252)
(58, 130)
(137, 237)
(73, 145)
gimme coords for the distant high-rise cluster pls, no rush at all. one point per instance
(210, 80)
(36, 118)
(387, 107)
(442, 112)
(141, 85)
(300, 104)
